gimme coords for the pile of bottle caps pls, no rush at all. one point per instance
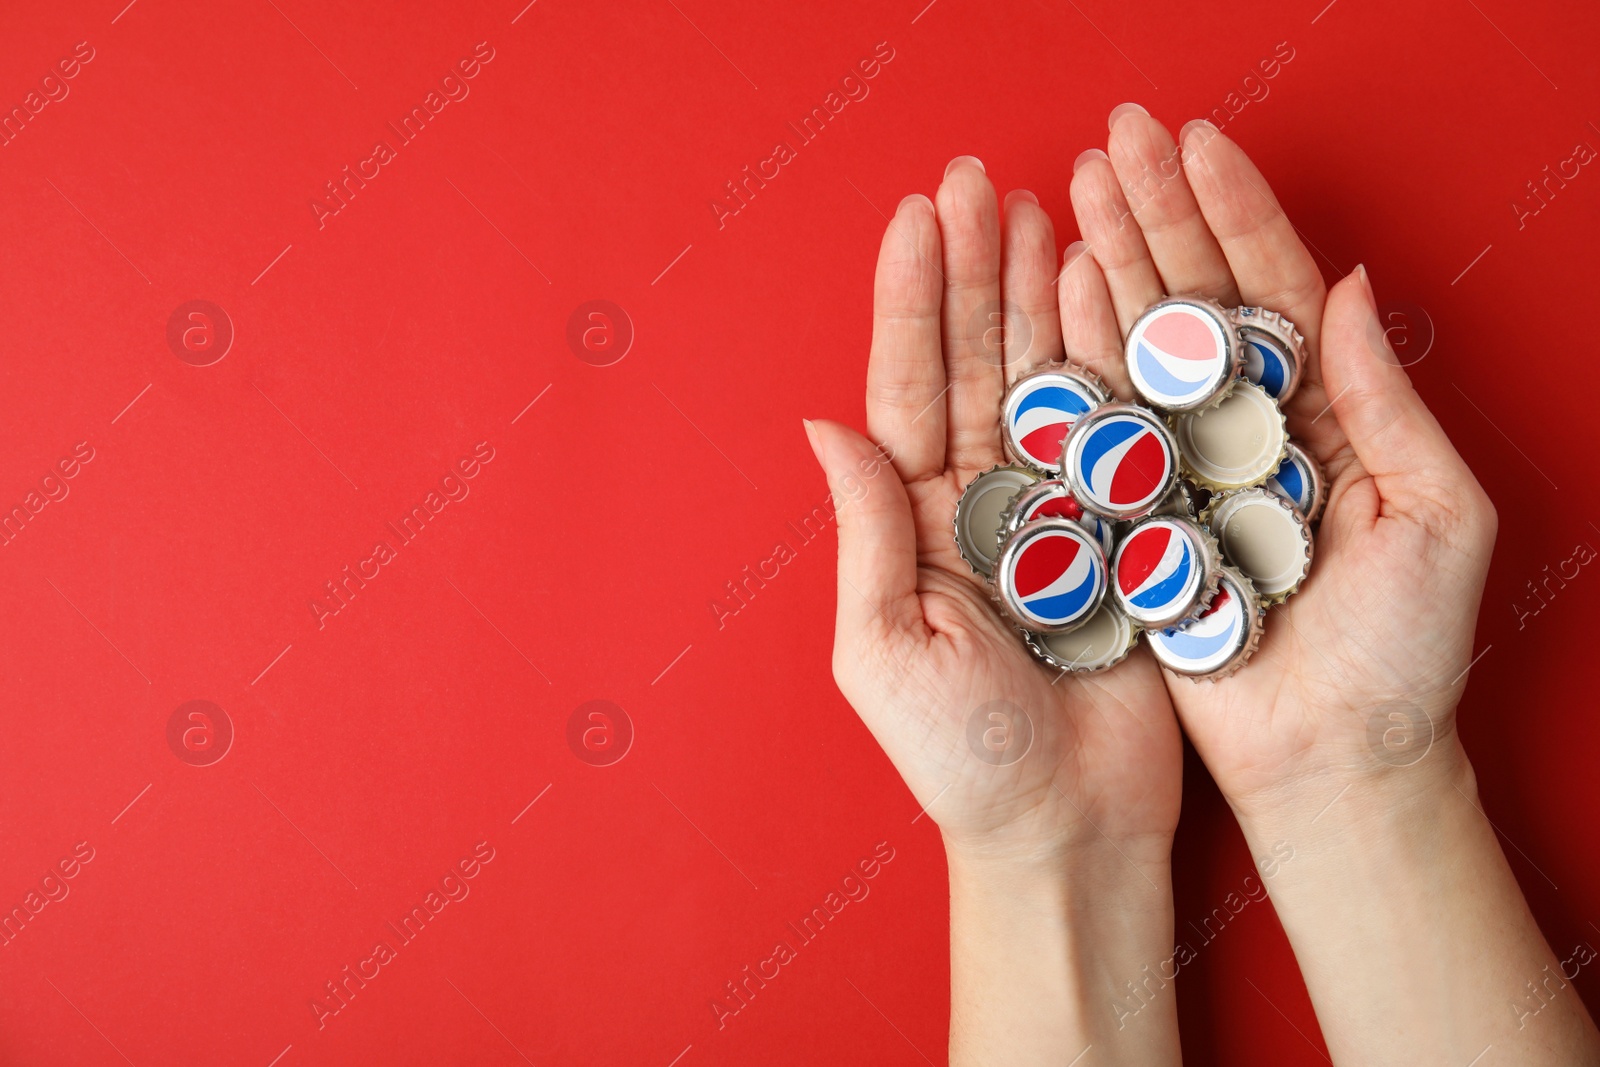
(1182, 517)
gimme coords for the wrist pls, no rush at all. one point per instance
(1412, 934)
(1075, 885)
(1044, 946)
(1370, 792)
(1080, 853)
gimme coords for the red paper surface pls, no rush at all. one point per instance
(376, 346)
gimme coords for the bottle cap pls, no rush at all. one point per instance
(1182, 352)
(1240, 442)
(1273, 349)
(1104, 641)
(1266, 538)
(1049, 499)
(1164, 572)
(1221, 640)
(1041, 407)
(979, 510)
(1051, 576)
(1120, 461)
(1184, 501)
(1300, 480)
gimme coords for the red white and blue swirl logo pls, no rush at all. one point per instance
(1293, 483)
(1267, 365)
(1123, 464)
(1058, 505)
(1178, 355)
(1056, 578)
(1208, 642)
(1156, 570)
(1040, 413)
(1061, 504)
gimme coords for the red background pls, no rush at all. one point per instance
(373, 753)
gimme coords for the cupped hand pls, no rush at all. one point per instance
(920, 650)
(1361, 670)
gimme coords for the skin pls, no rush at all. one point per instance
(1059, 862)
(1337, 740)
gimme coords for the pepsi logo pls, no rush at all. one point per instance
(1207, 643)
(1059, 505)
(1268, 366)
(1123, 464)
(1157, 573)
(1039, 411)
(1050, 500)
(1063, 506)
(1056, 578)
(1292, 483)
(1178, 354)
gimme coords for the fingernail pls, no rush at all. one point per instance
(1020, 194)
(1086, 155)
(914, 198)
(964, 161)
(811, 435)
(1121, 110)
(1073, 253)
(1366, 286)
(1196, 124)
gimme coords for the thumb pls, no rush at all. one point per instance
(1394, 435)
(877, 537)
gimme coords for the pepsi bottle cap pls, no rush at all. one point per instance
(1039, 409)
(1266, 538)
(1184, 501)
(1104, 641)
(1182, 352)
(979, 510)
(1301, 481)
(1239, 442)
(1049, 499)
(1120, 461)
(1165, 572)
(1273, 351)
(1221, 640)
(1051, 576)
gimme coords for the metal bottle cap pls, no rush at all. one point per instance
(979, 510)
(1051, 576)
(1120, 461)
(1237, 443)
(1274, 351)
(1266, 538)
(1301, 481)
(1164, 572)
(1221, 640)
(1041, 407)
(1050, 499)
(1104, 641)
(1184, 501)
(1182, 352)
